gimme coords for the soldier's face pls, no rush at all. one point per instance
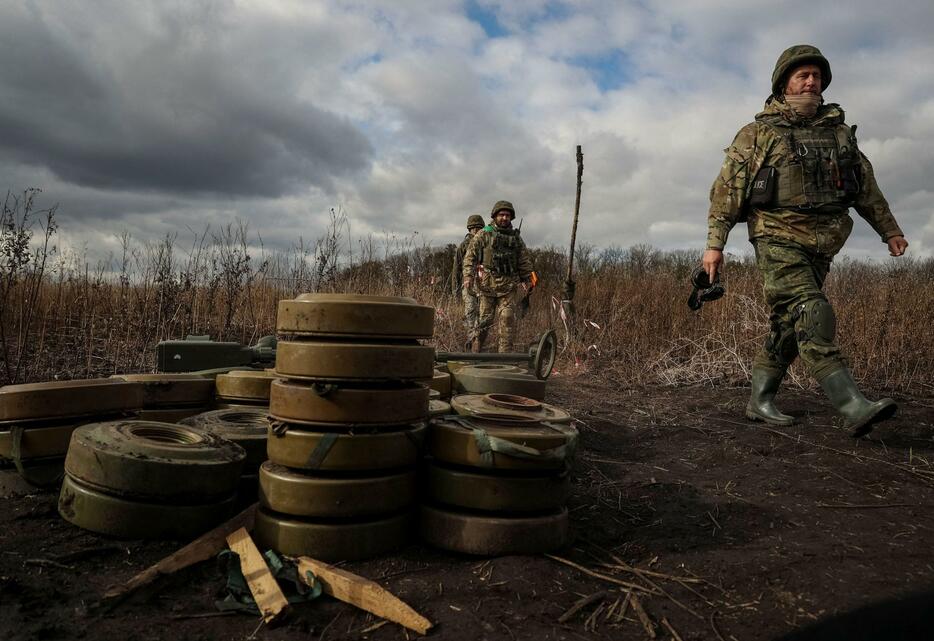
(473, 230)
(804, 79)
(502, 218)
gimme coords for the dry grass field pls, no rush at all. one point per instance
(66, 316)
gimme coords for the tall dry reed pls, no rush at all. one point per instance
(64, 316)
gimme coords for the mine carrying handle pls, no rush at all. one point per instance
(197, 353)
(540, 357)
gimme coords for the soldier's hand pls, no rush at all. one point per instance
(712, 262)
(897, 245)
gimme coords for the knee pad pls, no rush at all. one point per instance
(782, 344)
(816, 322)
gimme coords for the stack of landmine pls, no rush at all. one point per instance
(242, 389)
(37, 420)
(439, 393)
(495, 378)
(147, 479)
(248, 428)
(188, 399)
(347, 424)
(498, 478)
(171, 397)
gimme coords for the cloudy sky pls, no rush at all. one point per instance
(410, 115)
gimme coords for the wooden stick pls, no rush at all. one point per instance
(577, 211)
(674, 633)
(643, 575)
(597, 575)
(643, 617)
(266, 592)
(621, 615)
(48, 563)
(625, 567)
(201, 549)
(581, 604)
(713, 624)
(362, 593)
(591, 622)
(871, 506)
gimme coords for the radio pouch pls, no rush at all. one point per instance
(763, 187)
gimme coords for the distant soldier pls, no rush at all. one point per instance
(794, 174)
(502, 265)
(469, 294)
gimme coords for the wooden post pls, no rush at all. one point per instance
(567, 304)
(266, 592)
(201, 549)
(363, 593)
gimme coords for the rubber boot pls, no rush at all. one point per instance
(860, 413)
(761, 406)
(478, 341)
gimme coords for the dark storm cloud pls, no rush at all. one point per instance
(179, 115)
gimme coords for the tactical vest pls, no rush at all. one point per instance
(818, 168)
(501, 252)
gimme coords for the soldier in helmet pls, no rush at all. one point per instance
(501, 263)
(793, 175)
(469, 294)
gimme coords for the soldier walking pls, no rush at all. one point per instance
(501, 263)
(793, 175)
(468, 294)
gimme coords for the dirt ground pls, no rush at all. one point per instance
(731, 531)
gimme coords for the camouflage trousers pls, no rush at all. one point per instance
(501, 309)
(471, 311)
(801, 319)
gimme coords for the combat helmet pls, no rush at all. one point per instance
(795, 57)
(504, 204)
(475, 221)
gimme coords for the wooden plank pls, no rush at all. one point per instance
(363, 593)
(201, 549)
(266, 592)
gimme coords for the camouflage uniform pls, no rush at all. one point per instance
(794, 246)
(468, 294)
(793, 180)
(501, 261)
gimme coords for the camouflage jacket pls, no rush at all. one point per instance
(458, 270)
(492, 279)
(759, 144)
